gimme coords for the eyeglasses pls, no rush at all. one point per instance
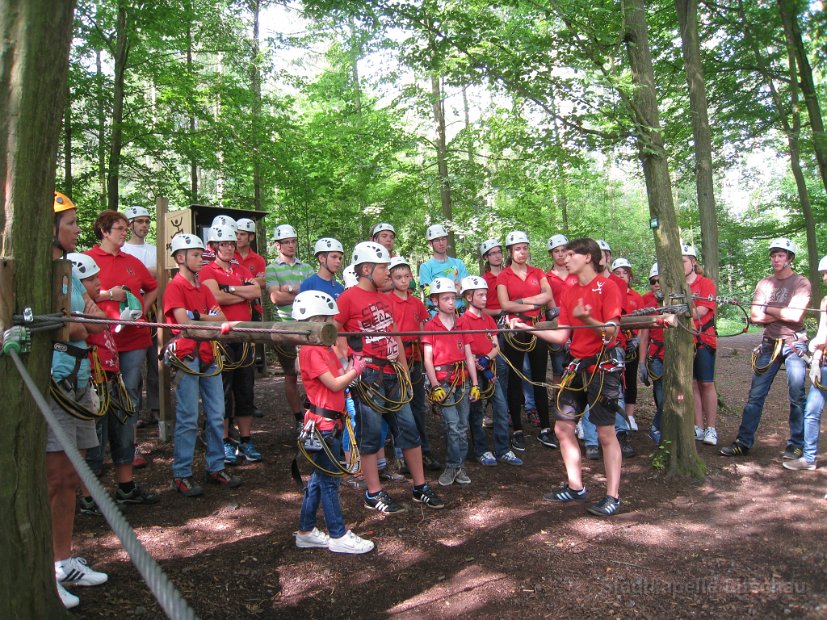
(654, 280)
(118, 229)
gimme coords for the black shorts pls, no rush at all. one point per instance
(602, 398)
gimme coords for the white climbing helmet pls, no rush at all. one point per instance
(653, 272)
(284, 231)
(435, 231)
(224, 220)
(349, 275)
(471, 283)
(398, 261)
(782, 243)
(604, 246)
(370, 252)
(822, 264)
(313, 303)
(488, 245)
(621, 262)
(245, 224)
(135, 211)
(221, 233)
(442, 285)
(514, 237)
(327, 244)
(380, 227)
(185, 241)
(556, 241)
(689, 250)
(83, 265)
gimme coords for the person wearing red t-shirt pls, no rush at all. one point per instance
(186, 300)
(523, 290)
(596, 383)
(450, 365)
(492, 253)
(125, 283)
(651, 351)
(252, 263)
(706, 343)
(234, 292)
(485, 349)
(622, 268)
(325, 383)
(362, 308)
(559, 279)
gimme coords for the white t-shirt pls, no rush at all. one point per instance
(146, 253)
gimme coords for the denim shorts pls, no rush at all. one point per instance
(703, 366)
(369, 421)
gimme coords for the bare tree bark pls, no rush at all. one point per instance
(33, 69)
(101, 128)
(67, 144)
(193, 162)
(116, 144)
(442, 156)
(678, 413)
(255, 88)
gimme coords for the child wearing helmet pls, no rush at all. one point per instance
(452, 372)
(440, 265)
(651, 353)
(622, 268)
(485, 349)
(325, 381)
(329, 253)
(186, 300)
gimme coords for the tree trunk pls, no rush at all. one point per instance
(701, 134)
(193, 162)
(678, 412)
(121, 58)
(561, 187)
(67, 144)
(33, 70)
(442, 157)
(101, 129)
(255, 87)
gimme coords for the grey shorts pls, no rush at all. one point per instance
(81, 432)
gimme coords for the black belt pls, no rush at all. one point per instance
(70, 349)
(446, 367)
(376, 361)
(330, 414)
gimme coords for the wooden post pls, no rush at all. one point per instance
(6, 293)
(62, 300)
(165, 410)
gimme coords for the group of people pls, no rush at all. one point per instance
(442, 349)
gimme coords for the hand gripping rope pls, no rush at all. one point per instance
(458, 381)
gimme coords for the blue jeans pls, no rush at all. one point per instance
(500, 408)
(590, 430)
(502, 369)
(419, 408)
(656, 366)
(324, 489)
(528, 389)
(186, 420)
(455, 425)
(369, 421)
(812, 417)
(761, 383)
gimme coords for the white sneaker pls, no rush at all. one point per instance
(578, 430)
(76, 572)
(699, 433)
(350, 543)
(68, 599)
(632, 424)
(711, 437)
(312, 540)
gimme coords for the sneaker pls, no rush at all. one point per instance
(390, 476)
(593, 453)
(578, 430)
(382, 502)
(606, 507)
(426, 496)
(357, 483)
(711, 436)
(633, 424)
(350, 543)
(312, 540)
(139, 461)
(487, 459)
(462, 476)
(533, 417)
(89, 507)
(546, 437)
(655, 435)
(187, 487)
(224, 479)
(402, 466)
(247, 451)
(230, 453)
(699, 433)
(68, 599)
(518, 441)
(792, 453)
(626, 447)
(487, 421)
(448, 476)
(566, 494)
(736, 449)
(799, 463)
(136, 496)
(430, 463)
(76, 572)
(509, 458)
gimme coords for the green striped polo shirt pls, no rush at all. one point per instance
(281, 273)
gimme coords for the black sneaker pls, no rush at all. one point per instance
(626, 447)
(426, 496)
(187, 487)
(430, 463)
(792, 453)
(736, 449)
(382, 502)
(136, 496)
(224, 479)
(518, 441)
(606, 507)
(566, 494)
(546, 437)
(593, 453)
(89, 507)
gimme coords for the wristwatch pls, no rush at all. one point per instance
(290, 288)
(231, 290)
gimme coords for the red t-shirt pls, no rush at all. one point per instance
(481, 344)
(314, 361)
(103, 344)
(518, 288)
(605, 299)
(655, 333)
(181, 294)
(447, 349)
(409, 314)
(235, 276)
(369, 311)
(121, 269)
(493, 303)
(704, 287)
(634, 301)
(558, 284)
(254, 264)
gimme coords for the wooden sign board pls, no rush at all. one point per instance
(176, 222)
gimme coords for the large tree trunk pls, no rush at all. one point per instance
(101, 96)
(678, 413)
(193, 162)
(121, 58)
(702, 136)
(67, 145)
(442, 157)
(255, 87)
(35, 59)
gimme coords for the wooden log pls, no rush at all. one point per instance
(626, 322)
(307, 333)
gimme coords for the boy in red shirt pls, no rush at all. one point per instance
(186, 300)
(651, 352)
(485, 350)
(594, 301)
(448, 364)
(325, 383)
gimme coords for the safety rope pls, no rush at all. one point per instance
(756, 353)
(351, 467)
(381, 402)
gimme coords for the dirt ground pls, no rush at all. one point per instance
(749, 540)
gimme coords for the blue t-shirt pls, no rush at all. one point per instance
(318, 283)
(451, 268)
(62, 363)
